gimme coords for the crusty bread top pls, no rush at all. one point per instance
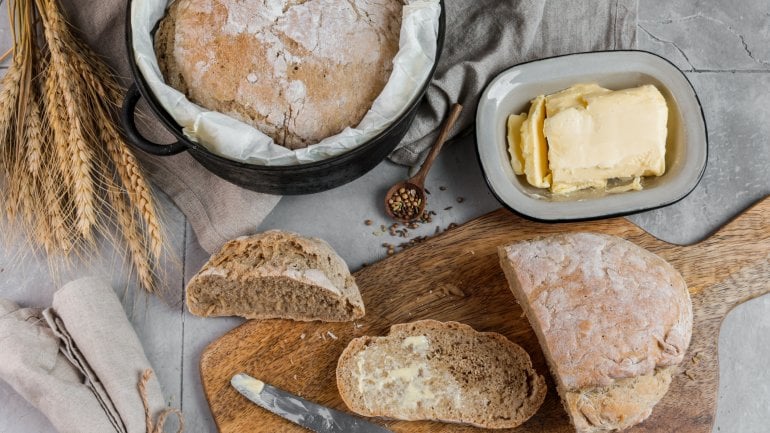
(298, 70)
(606, 308)
(276, 274)
(283, 253)
(430, 370)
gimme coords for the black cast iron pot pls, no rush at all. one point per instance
(283, 180)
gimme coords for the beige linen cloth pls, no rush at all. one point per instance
(79, 362)
(483, 38)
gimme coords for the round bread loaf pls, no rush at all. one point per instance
(614, 321)
(297, 70)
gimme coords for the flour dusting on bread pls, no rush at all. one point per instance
(298, 70)
(614, 320)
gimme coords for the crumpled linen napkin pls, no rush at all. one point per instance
(79, 362)
(483, 38)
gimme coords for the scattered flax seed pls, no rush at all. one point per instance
(448, 208)
(451, 226)
(427, 216)
(331, 334)
(442, 188)
(427, 191)
(460, 199)
(368, 222)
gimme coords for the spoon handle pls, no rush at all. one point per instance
(449, 123)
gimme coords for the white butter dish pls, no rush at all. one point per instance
(511, 92)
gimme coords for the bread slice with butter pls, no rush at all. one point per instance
(614, 321)
(443, 371)
(276, 274)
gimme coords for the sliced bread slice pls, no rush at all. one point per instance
(614, 320)
(444, 371)
(276, 275)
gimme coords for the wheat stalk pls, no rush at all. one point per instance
(8, 101)
(70, 174)
(134, 242)
(81, 155)
(138, 191)
(34, 137)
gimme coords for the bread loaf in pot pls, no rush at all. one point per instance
(297, 70)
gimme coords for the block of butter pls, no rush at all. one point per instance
(591, 135)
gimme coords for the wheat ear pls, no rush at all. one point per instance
(133, 238)
(138, 191)
(81, 156)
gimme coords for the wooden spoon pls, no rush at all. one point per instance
(405, 201)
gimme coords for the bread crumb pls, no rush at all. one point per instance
(331, 334)
(295, 377)
(690, 375)
(358, 325)
(302, 336)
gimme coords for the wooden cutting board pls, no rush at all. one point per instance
(456, 276)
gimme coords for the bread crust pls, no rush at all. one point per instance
(283, 257)
(297, 70)
(609, 315)
(432, 328)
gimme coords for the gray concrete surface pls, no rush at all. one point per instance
(724, 49)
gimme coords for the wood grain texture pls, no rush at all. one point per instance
(456, 276)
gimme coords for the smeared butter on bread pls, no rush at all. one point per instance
(446, 371)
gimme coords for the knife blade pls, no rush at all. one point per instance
(307, 414)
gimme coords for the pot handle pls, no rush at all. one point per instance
(133, 134)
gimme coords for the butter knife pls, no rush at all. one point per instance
(307, 414)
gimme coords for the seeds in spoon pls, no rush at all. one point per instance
(405, 203)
